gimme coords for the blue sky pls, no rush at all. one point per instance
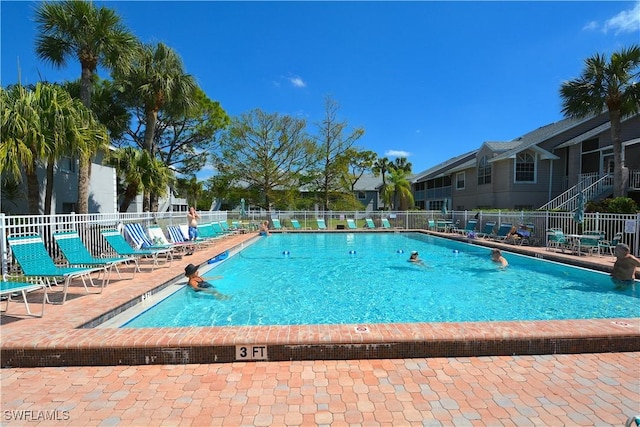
(426, 80)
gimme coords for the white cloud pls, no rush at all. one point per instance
(297, 81)
(397, 153)
(627, 21)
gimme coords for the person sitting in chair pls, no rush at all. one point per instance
(522, 232)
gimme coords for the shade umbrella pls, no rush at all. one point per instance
(444, 208)
(578, 215)
(243, 212)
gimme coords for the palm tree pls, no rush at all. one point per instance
(39, 126)
(612, 85)
(139, 171)
(402, 164)
(95, 36)
(157, 81)
(381, 167)
(399, 189)
(23, 144)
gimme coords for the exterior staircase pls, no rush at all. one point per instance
(592, 186)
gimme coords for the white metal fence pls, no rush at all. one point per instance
(89, 226)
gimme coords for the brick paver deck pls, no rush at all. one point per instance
(600, 389)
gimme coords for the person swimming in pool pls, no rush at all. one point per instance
(414, 259)
(496, 256)
(199, 284)
(624, 269)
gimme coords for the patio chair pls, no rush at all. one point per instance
(351, 224)
(321, 224)
(176, 235)
(8, 289)
(556, 239)
(206, 232)
(487, 230)
(77, 254)
(276, 224)
(589, 242)
(159, 238)
(469, 228)
(219, 231)
(609, 245)
(523, 235)
(136, 234)
(35, 261)
(369, 223)
(503, 232)
(431, 224)
(120, 246)
(296, 224)
(385, 223)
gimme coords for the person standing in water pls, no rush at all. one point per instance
(624, 269)
(496, 256)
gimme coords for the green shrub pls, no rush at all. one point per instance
(621, 205)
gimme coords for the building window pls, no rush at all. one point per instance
(484, 171)
(460, 180)
(67, 164)
(525, 167)
(68, 207)
(361, 195)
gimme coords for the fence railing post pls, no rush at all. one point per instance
(3, 244)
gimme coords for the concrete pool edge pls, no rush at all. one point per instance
(111, 347)
(56, 339)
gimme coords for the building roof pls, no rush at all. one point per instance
(368, 182)
(446, 166)
(532, 139)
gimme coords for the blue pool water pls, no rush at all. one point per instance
(343, 278)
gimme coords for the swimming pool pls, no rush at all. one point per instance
(346, 278)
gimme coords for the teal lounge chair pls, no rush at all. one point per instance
(276, 224)
(487, 230)
(295, 224)
(77, 254)
(369, 223)
(8, 289)
(122, 248)
(503, 232)
(470, 228)
(207, 233)
(431, 224)
(30, 252)
(385, 223)
(218, 230)
(321, 224)
(351, 224)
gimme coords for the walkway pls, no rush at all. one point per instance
(561, 390)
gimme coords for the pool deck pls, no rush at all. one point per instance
(503, 373)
